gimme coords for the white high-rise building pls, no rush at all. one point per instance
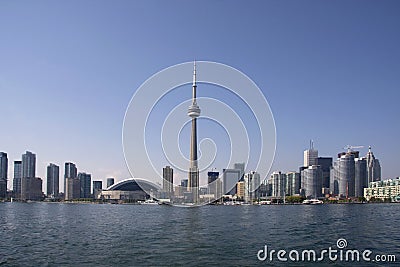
(310, 156)
(251, 184)
(278, 182)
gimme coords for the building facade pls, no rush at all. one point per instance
(17, 179)
(326, 165)
(240, 188)
(278, 182)
(214, 184)
(53, 181)
(360, 176)
(240, 166)
(311, 182)
(230, 177)
(31, 186)
(373, 167)
(85, 182)
(73, 189)
(70, 172)
(251, 185)
(292, 183)
(110, 181)
(343, 175)
(387, 189)
(168, 181)
(310, 156)
(3, 174)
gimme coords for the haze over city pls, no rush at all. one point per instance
(69, 69)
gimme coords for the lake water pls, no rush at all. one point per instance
(57, 234)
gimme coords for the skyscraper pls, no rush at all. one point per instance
(168, 181)
(373, 167)
(31, 186)
(194, 113)
(343, 175)
(110, 181)
(214, 184)
(73, 190)
(310, 155)
(251, 184)
(17, 179)
(278, 182)
(240, 166)
(292, 183)
(71, 182)
(230, 177)
(311, 182)
(28, 165)
(53, 180)
(3, 174)
(360, 176)
(85, 180)
(70, 170)
(326, 164)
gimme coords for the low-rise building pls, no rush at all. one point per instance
(387, 189)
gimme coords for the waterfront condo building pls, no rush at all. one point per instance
(168, 181)
(251, 184)
(53, 180)
(387, 189)
(3, 174)
(17, 179)
(85, 181)
(277, 183)
(71, 182)
(31, 186)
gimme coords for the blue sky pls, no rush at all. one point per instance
(330, 71)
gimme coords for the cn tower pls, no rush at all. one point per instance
(194, 113)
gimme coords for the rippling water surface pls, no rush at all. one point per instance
(56, 234)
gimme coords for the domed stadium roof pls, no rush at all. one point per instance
(135, 184)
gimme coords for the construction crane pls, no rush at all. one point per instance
(351, 148)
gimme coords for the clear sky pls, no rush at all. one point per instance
(330, 71)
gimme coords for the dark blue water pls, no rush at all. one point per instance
(48, 234)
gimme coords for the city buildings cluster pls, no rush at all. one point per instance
(348, 176)
(27, 186)
(344, 177)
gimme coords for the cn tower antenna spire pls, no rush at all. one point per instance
(194, 73)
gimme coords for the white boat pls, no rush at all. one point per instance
(313, 201)
(149, 202)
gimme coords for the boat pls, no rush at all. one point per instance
(312, 201)
(149, 202)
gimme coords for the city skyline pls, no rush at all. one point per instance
(238, 169)
(65, 91)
